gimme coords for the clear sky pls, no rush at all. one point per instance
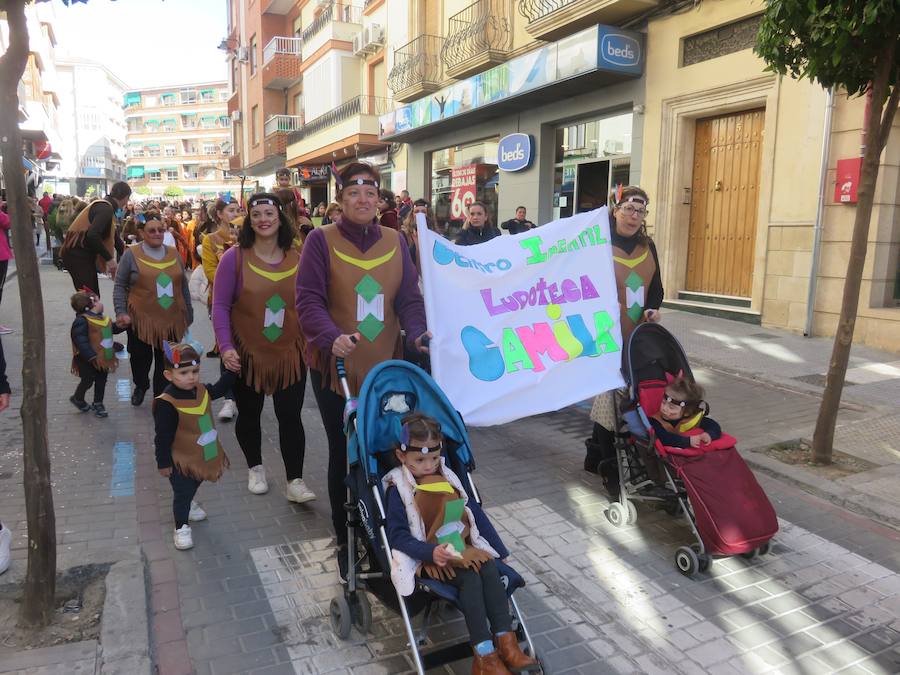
(147, 43)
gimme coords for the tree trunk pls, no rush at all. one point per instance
(875, 140)
(40, 580)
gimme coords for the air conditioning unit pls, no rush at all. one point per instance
(373, 37)
(243, 55)
(359, 44)
(236, 116)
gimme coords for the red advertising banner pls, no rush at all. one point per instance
(462, 182)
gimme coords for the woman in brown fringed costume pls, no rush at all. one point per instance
(152, 301)
(258, 335)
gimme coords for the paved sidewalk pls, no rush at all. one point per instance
(252, 595)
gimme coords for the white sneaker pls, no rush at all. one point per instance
(228, 411)
(256, 480)
(183, 538)
(6, 330)
(197, 512)
(298, 492)
(5, 542)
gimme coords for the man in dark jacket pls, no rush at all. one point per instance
(518, 224)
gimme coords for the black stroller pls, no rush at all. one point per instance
(390, 391)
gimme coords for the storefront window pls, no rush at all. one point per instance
(609, 137)
(460, 175)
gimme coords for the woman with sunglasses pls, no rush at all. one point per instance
(640, 292)
(152, 300)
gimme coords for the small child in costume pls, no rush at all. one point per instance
(188, 451)
(93, 352)
(436, 531)
(680, 412)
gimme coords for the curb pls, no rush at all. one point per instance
(124, 631)
(848, 497)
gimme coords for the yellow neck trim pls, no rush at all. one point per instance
(272, 276)
(197, 409)
(99, 322)
(632, 262)
(436, 487)
(366, 264)
(163, 264)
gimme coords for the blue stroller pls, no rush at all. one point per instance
(372, 423)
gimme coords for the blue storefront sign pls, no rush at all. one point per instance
(619, 51)
(514, 152)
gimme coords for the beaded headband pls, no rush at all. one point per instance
(263, 200)
(173, 354)
(362, 181)
(405, 445)
(637, 199)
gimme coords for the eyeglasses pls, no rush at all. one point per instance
(668, 399)
(630, 210)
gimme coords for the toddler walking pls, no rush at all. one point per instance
(436, 531)
(188, 451)
(93, 354)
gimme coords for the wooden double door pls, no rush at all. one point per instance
(725, 194)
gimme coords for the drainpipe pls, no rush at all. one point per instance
(820, 215)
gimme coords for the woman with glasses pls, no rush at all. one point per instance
(640, 291)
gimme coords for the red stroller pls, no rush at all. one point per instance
(712, 486)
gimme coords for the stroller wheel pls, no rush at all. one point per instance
(617, 514)
(341, 619)
(632, 513)
(765, 548)
(749, 555)
(362, 611)
(673, 507)
(686, 561)
(705, 562)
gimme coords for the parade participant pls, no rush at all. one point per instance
(410, 230)
(93, 356)
(6, 255)
(477, 228)
(219, 240)
(332, 213)
(388, 210)
(348, 265)
(519, 223)
(283, 182)
(256, 328)
(418, 494)
(201, 225)
(188, 450)
(90, 242)
(172, 221)
(5, 534)
(300, 224)
(406, 205)
(152, 301)
(634, 257)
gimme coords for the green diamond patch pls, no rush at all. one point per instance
(634, 312)
(634, 281)
(274, 319)
(272, 332)
(368, 288)
(208, 438)
(370, 327)
(276, 303)
(165, 295)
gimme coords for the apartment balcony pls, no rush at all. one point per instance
(235, 163)
(280, 7)
(554, 19)
(281, 63)
(353, 123)
(479, 37)
(276, 132)
(234, 102)
(418, 69)
(339, 22)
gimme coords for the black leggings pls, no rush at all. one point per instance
(4, 266)
(183, 490)
(331, 408)
(90, 376)
(482, 599)
(292, 439)
(142, 357)
(82, 267)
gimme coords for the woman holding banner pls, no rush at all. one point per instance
(356, 287)
(478, 227)
(634, 259)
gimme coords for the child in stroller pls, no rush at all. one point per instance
(437, 532)
(682, 409)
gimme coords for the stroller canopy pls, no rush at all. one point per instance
(652, 352)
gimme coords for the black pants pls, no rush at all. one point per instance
(331, 408)
(4, 266)
(291, 436)
(183, 491)
(604, 448)
(82, 267)
(90, 376)
(482, 599)
(229, 395)
(143, 356)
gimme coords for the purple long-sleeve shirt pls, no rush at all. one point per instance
(312, 286)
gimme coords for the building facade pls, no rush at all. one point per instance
(177, 138)
(92, 125)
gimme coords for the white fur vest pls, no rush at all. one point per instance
(404, 568)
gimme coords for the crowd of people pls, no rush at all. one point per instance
(283, 289)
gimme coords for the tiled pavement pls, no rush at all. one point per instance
(251, 595)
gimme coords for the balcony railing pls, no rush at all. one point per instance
(281, 45)
(554, 19)
(359, 105)
(283, 124)
(479, 37)
(338, 11)
(418, 68)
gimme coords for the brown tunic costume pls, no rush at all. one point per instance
(362, 288)
(100, 335)
(634, 271)
(78, 231)
(431, 507)
(264, 322)
(156, 301)
(196, 451)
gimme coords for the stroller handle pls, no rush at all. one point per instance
(342, 371)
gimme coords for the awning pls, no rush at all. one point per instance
(170, 119)
(152, 122)
(133, 98)
(135, 172)
(28, 164)
(207, 91)
(207, 118)
(151, 145)
(169, 95)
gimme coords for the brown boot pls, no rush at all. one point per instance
(488, 665)
(512, 655)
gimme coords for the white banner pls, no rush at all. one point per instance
(523, 324)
